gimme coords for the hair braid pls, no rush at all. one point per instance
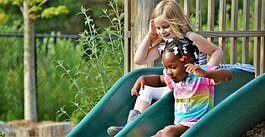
(183, 48)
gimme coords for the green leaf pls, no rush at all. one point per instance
(34, 9)
(54, 11)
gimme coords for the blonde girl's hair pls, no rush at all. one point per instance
(170, 11)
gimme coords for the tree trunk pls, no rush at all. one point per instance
(30, 110)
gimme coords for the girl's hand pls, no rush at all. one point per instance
(152, 30)
(194, 69)
(138, 84)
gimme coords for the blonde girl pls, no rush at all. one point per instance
(168, 21)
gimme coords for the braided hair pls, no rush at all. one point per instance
(183, 48)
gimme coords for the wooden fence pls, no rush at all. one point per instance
(244, 32)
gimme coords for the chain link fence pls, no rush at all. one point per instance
(52, 90)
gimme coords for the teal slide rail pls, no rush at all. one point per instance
(113, 108)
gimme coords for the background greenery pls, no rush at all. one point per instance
(72, 74)
(51, 95)
(11, 76)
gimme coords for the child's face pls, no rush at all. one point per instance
(174, 67)
(163, 29)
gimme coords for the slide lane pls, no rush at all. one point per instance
(236, 114)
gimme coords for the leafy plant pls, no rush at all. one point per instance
(2, 134)
(51, 95)
(102, 62)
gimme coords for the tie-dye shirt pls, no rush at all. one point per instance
(193, 97)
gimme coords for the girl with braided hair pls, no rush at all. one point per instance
(192, 85)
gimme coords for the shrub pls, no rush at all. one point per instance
(102, 62)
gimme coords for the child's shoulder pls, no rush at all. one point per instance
(194, 36)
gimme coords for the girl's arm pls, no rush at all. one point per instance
(207, 47)
(145, 52)
(150, 80)
(217, 74)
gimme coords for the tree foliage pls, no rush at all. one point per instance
(37, 8)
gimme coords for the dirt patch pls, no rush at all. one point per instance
(24, 128)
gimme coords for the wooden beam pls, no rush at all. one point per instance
(260, 33)
(245, 42)
(127, 36)
(222, 24)
(262, 69)
(234, 27)
(257, 40)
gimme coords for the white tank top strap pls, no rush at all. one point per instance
(161, 47)
(188, 34)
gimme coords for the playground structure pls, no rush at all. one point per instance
(241, 31)
(240, 103)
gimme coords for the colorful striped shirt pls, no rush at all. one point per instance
(193, 97)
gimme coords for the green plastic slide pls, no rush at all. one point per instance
(113, 109)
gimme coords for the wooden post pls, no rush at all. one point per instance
(234, 27)
(127, 36)
(262, 57)
(245, 41)
(257, 40)
(141, 11)
(187, 5)
(199, 15)
(210, 20)
(222, 24)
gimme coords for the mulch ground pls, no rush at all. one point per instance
(26, 123)
(257, 131)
